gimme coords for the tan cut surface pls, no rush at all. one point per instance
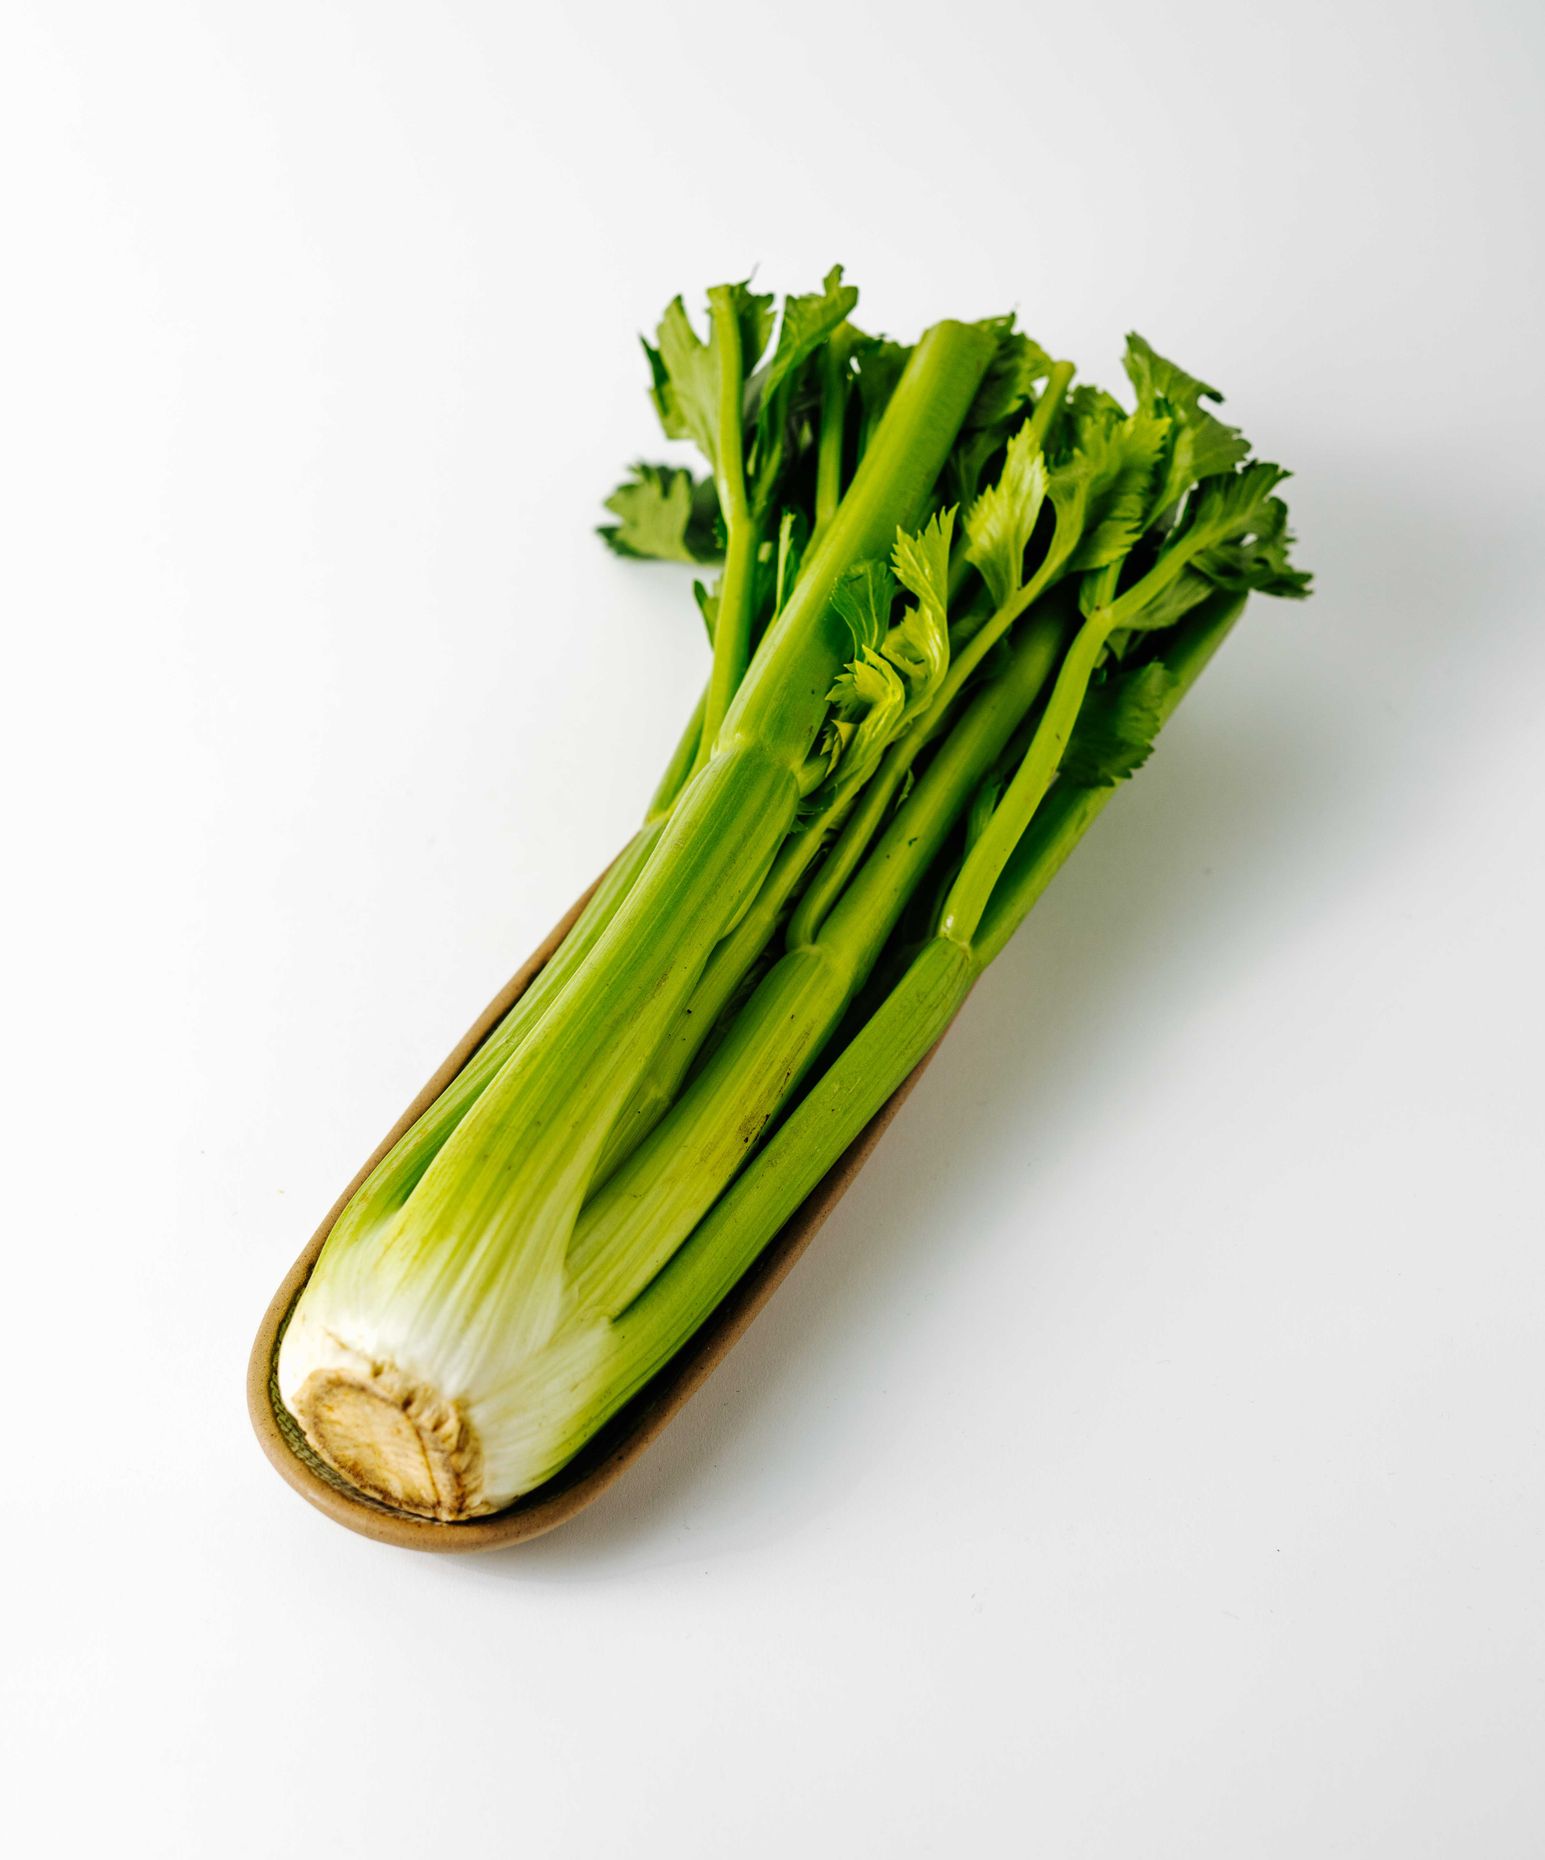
(395, 1440)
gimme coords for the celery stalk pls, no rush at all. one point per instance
(624, 1143)
(630, 1226)
(895, 1039)
(467, 1275)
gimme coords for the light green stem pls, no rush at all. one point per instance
(874, 803)
(637, 1217)
(489, 1220)
(834, 407)
(874, 1063)
(782, 699)
(830, 1117)
(732, 961)
(985, 861)
(732, 623)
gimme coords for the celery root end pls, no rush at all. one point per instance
(394, 1439)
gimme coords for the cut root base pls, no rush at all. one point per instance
(394, 1440)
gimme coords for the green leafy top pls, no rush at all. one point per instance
(1121, 458)
(1155, 507)
(868, 701)
(1201, 446)
(1100, 488)
(1235, 536)
(1240, 533)
(920, 646)
(685, 369)
(864, 598)
(663, 512)
(897, 669)
(1116, 725)
(807, 322)
(999, 524)
(878, 363)
(1163, 488)
(1088, 407)
(1009, 384)
(1018, 366)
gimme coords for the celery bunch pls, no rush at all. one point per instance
(957, 599)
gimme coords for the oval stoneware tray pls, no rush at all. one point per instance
(628, 1432)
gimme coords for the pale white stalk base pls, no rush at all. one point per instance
(426, 1432)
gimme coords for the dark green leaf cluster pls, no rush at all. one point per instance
(1116, 726)
(1002, 402)
(897, 667)
(1246, 537)
(664, 513)
(1201, 445)
(1142, 511)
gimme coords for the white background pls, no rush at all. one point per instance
(1147, 1462)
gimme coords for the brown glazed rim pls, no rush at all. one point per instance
(626, 1435)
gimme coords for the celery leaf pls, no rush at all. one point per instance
(1009, 384)
(999, 524)
(1116, 726)
(808, 321)
(1129, 457)
(685, 368)
(664, 513)
(1202, 446)
(863, 598)
(1238, 537)
(920, 646)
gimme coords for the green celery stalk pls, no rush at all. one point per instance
(732, 960)
(732, 628)
(631, 1224)
(387, 1187)
(632, 1134)
(469, 1272)
(897, 1037)
(872, 805)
